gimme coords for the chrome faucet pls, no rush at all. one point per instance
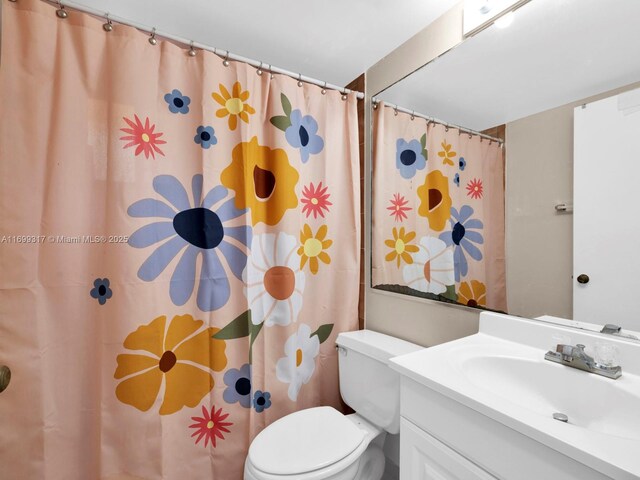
(576, 357)
(612, 329)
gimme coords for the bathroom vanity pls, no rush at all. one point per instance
(483, 407)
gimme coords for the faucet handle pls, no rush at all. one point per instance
(611, 329)
(607, 354)
(565, 351)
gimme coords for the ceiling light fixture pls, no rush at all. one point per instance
(480, 14)
(505, 20)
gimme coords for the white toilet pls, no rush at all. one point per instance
(323, 444)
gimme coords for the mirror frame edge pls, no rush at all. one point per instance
(419, 320)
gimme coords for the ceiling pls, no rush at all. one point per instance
(555, 52)
(332, 40)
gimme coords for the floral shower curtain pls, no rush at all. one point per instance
(179, 249)
(438, 212)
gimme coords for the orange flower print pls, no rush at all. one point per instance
(233, 104)
(313, 248)
(401, 248)
(446, 153)
(181, 357)
(263, 180)
(473, 294)
(143, 137)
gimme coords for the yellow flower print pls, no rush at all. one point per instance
(233, 104)
(183, 357)
(473, 295)
(401, 248)
(446, 154)
(435, 202)
(263, 180)
(313, 248)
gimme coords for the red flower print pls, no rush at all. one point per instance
(474, 188)
(315, 200)
(210, 426)
(398, 207)
(143, 137)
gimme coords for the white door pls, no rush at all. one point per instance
(422, 457)
(606, 228)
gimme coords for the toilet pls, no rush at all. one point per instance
(323, 444)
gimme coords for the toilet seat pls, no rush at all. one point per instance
(305, 441)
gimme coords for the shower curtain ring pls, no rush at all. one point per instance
(344, 94)
(446, 129)
(270, 72)
(413, 116)
(225, 62)
(470, 136)
(395, 111)
(107, 26)
(259, 70)
(61, 12)
(299, 79)
(324, 89)
(192, 52)
(152, 37)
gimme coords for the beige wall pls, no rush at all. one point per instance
(539, 241)
(420, 321)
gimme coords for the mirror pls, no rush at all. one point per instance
(558, 87)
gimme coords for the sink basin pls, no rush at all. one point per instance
(501, 373)
(591, 402)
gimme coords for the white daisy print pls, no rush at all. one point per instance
(432, 268)
(274, 280)
(297, 366)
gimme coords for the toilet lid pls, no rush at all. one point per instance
(304, 441)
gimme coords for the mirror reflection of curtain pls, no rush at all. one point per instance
(438, 212)
(207, 192)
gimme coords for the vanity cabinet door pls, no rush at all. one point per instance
(422, 457)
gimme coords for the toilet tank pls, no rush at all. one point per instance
(367, 384)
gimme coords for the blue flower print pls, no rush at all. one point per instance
(409, 158)
(302, 134)
(238, 382)
(261, 401)
(178, 103)
(462, 236)
(462, 163)
(202, 230)
(205, 136)
(456, 179)
(101, 290)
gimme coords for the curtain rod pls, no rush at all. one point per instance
(225, 54)
(413, 113)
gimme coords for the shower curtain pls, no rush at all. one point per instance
(179, 248)
(438, 212)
